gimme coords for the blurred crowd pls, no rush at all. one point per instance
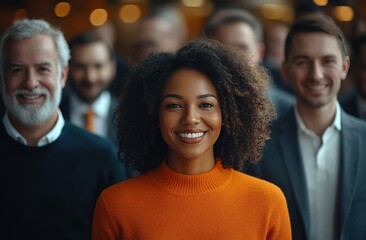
(94, 76)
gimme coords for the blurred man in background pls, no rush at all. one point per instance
(239, 28)
(88, 103)
(107, 32)
(356, 104)
(162, 30)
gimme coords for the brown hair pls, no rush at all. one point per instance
(315, 23)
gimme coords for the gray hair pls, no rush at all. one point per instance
(27, 28)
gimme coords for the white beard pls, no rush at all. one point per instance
(33, 114)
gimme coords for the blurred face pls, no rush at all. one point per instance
(240, 35)
(155, 36)
(360, 72)
(32, 80)
(315, 68)
(190, 116)
(275, 43)
(91, 70)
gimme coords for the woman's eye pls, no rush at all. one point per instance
(207, 105)
(173, 106)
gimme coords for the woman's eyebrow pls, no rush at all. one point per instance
(172, 96)
(180, 97)
(206, 96)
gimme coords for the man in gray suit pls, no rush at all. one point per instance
(317, 153)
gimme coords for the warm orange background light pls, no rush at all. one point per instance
(62, 9)
(343, 13)
(20, 13)
(321, 3)
(129, 13)
(98, 17)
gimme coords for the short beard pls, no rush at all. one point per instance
(33, 114)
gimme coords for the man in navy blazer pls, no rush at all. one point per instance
(92, 69)
(317, 153)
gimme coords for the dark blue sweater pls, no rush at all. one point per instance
(49, 192)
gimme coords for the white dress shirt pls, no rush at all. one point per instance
(321, 160)
(50, 137)
(100, 107)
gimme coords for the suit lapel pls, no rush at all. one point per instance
(294, 166)
(350, 159)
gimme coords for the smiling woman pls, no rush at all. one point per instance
(239, 91)
(190, 120)
(186, 121)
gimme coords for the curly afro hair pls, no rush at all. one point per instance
(242, 88)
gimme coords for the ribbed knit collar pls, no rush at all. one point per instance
(191, 185)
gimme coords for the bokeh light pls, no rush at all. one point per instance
(277, 12)
(20, 13)
(343, 13)
(321, 3)
(129, 13)
(193, 3)
(62, 9)
(98, 17)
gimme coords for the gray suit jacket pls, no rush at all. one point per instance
(282, 165)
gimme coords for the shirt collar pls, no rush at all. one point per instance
(336, 122)
(50, 137)
(98, 106)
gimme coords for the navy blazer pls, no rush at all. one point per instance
(282, 165)
(112, 131)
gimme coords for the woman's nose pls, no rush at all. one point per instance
(191, 116)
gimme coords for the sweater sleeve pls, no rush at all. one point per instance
(104, 227)
(280, 227)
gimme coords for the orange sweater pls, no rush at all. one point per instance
(219, 204)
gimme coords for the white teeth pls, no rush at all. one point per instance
(31, 96)
(191, 135)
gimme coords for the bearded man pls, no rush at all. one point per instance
(51, 172)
